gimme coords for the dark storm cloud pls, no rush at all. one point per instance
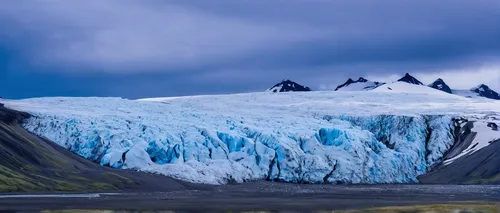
(385, 31)
(155, 47)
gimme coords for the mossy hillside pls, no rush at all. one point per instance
(11, 181)
(28, 163)
(438, 208)
(477, 179)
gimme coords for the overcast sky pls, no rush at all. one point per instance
(147, 48)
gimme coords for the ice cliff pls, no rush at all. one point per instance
(312, 138)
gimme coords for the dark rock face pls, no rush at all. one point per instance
(493, 126)
(485, 91)
(480, 167)
(410, 79)
(439, 84)
(360, 80)
(348, 82)
(289, 86)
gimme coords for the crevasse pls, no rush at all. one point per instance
(343, 149)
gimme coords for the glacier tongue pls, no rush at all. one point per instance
(314, 137)
(372, 149)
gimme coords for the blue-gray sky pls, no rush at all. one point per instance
(147, 48)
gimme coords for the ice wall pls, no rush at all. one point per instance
(343, 149)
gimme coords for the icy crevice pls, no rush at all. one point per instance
(345, 149)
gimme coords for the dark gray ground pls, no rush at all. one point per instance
(269, 196)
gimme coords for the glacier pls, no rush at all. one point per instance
(313, 137)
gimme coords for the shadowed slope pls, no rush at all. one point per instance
(30, 163)
(480, 167)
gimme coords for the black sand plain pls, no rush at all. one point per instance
(265, 197)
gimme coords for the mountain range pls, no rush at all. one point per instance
(384, 133)
(363, 84)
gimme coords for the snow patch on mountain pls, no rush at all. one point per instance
(486, 133)
(361, 84)
(315, 137)
(403, 87)
(405, 83)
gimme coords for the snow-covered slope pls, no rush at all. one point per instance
(466, 93)
(314, 137)
(361, 84)
(403, 87)
(410, 85)
(481, 91)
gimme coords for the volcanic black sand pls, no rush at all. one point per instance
(30, 164)
(261, 196)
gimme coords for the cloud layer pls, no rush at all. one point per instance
(223, 46)
(139, 36)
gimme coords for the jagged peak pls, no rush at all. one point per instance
(482, 86)
(485, 91)
(410, 79)
(439, 84)
(438, 81)
(287, 85)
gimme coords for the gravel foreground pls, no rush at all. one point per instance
(263, 196)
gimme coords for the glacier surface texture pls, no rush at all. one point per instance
(316, 137)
